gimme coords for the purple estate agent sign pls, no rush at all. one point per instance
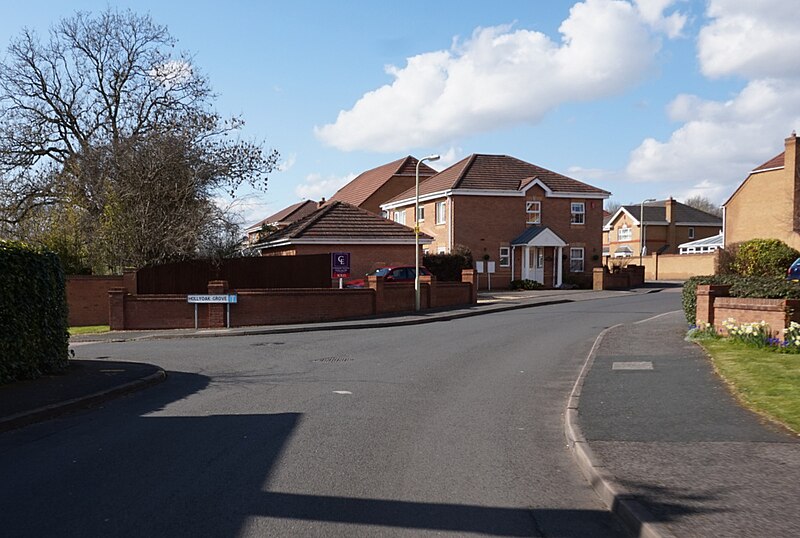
(340, 265)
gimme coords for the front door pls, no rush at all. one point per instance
(535, 266)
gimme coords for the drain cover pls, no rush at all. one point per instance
(634, 365)
(333, 359)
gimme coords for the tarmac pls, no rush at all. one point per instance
(655, 431)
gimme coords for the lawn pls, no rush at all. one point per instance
(89, 329)
(766, 381)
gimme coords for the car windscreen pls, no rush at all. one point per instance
(383, 271)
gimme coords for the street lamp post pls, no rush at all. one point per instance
(416, 228)
(642, 228)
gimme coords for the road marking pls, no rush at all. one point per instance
(633, 365)
(342, 392)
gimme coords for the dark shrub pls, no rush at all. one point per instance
(33, 313)
(447, 267)
(526, 285)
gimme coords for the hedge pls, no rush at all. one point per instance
(741, 286)
(33, 313)
(447, 267)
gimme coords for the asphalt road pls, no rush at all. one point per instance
(451, 428)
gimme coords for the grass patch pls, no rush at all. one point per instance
(89, 329)
(766, 381)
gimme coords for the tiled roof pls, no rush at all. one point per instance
(657, 212)
(289, 214)
(775, 162)
(338, 221)
(364, 185)
(498, 172)
(531, 232)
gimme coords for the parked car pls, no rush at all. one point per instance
(793, 274)
(399, 273)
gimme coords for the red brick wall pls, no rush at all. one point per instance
(364, 258)
(161, 312)
(87, 299)
(260, 307)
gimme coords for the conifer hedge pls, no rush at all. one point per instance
(33, 313)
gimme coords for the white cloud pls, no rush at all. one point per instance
(317, 186)
(754, 39)
(288, 163)
(652, 11)
(720, 141)
(500, 77)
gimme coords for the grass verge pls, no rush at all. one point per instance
(89, 329)
(767, 382)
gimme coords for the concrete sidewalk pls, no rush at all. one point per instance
(667, 446)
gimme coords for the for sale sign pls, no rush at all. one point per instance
(340, 265)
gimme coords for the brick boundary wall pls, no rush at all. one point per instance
(87, 298)
(714, 306)
(627, 277)
(285, 306)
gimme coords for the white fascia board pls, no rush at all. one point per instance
(537, 181)
(448, 193)
(587, 195)
(767, 169)
(410, 201)
(616, 215)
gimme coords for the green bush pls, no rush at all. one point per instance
(33, 313)
(447, 267)
(741, 286)
(764, 257)
(526, 285)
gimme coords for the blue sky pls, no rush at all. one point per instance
(644, 98)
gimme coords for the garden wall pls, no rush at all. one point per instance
(87, 298)
(680, 266)
(714, 306)
(285, 306)
(622, 279)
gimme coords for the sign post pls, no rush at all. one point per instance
(226, 299)
(340, 266)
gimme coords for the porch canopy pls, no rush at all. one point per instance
(533, 241)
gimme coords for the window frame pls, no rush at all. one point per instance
(628, 235)
(573, 259)
(441, 212)
(399, 216)
(421, 213)
(577, 217)
(691, 232)
(529, 212)
(505, 254)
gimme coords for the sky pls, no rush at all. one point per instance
(643, 98)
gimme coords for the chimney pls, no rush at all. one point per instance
(791, 167)
(669, 205)
(321, 202)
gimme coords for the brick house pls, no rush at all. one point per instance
(767, 203)
(667, 225)
(281, 219)
(371, 240)
(534, 223)
(372, 188)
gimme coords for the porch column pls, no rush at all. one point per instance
(558, 266)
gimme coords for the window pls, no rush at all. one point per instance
(578, 210)
(441, 250)
(421, 213)
(691, 233)
(624, 233)
(441, 217)
(400, 217)
(505, 256)
(576, 260)
(534, 211)
(385, 214)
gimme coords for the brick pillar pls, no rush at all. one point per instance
(129, 280)
(116, 309)
(471, 276)
(216, 312)
(705, 302)
(375, 283)
(427, 295)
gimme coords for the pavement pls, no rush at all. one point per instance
(655, 431)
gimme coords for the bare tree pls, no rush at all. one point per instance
(703, 204)
(105, 121)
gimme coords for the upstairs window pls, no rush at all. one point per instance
(578, 213)
(421, 213)
(691, 233)
(400, 217)
(534, 212)
(441, 212)
(624, 233)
